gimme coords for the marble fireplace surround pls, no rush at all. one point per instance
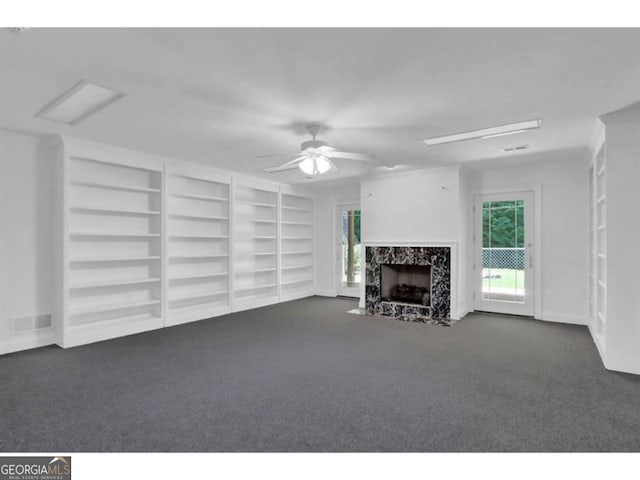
(439, 257)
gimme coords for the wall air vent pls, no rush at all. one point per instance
(517, 148)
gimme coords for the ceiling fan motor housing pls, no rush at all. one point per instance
(312, 144)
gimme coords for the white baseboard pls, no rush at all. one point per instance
(325, 293)
(27, 341)
(599, 346)
(564, 318)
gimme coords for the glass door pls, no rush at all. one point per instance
(504, 253)
(349, 250)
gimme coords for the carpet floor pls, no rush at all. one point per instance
(307, 376)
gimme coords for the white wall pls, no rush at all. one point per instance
(623, 240)
(465, 245)
(326, 201)
(564, 181)
(26, 283)
(421, 206)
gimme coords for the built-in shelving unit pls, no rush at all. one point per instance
(296, 246)
(255, 245)
(145, 242)
(600, 239)
(598, 246)
(112, 246)
(197, 243)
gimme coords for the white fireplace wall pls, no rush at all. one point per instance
(421, 206)
(418, 208)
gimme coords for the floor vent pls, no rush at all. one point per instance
(29, 324)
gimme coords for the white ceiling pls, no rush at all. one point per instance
(223, 96)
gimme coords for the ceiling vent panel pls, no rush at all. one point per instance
(77, 103)
(516, 148)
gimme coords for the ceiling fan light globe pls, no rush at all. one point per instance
(307, 166)
(323, 165)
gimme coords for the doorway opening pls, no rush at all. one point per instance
(504, 253)
(349, 253)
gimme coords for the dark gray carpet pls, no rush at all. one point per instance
(307, 376)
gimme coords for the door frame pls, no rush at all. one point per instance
(536, 189)
(355, 291)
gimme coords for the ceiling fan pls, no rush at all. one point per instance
(315, 156)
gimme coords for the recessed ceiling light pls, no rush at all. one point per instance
(484, 133)
(77, 103)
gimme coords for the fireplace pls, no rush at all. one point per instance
(409, 284)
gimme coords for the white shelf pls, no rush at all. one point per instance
(204, 237)
(128, 320)
(264, 237)
(297, 238)
(256, 287)
(297, 209)
(263, 254)
(198, 217)
(258, 270)
(110, 186)
(114, 235)
(299, 224)
(193, 257)
(297, 267)
(258, 220)
(260, 204)
(200, 197)
(196, 295)
(114, 283)
(112, 307)
(198, 276)
(114, 259)
(294, 282)
(207, 308)
(114, 211)
(304, 252)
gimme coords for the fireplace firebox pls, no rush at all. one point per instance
(409, 284)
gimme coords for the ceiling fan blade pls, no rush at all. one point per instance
(364, 157)
(326, 149)
(290, 165)
(273, 155)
